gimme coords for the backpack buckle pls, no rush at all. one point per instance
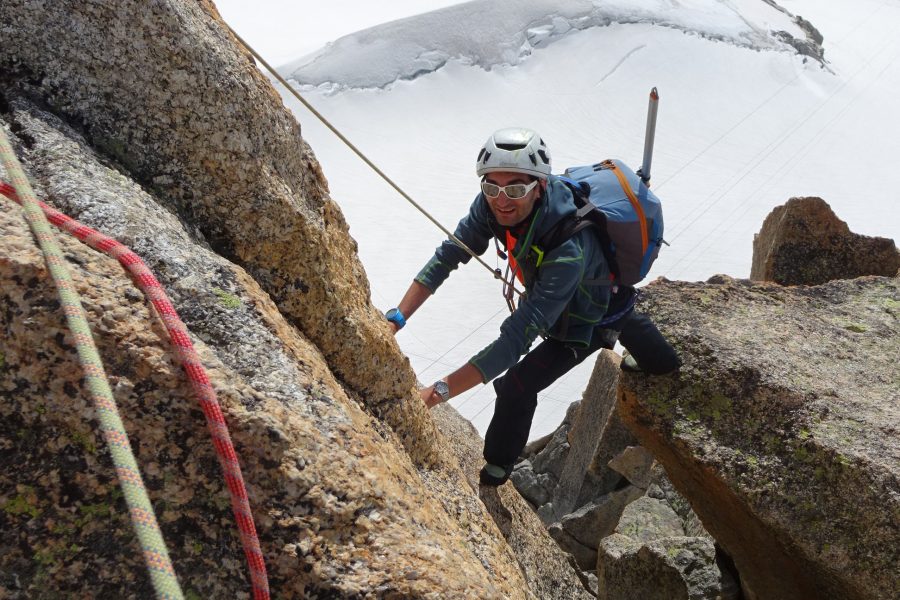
(540, 256)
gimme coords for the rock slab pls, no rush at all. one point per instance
(781, 428)
(804, 243)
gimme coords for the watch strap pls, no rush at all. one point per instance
(395, 316)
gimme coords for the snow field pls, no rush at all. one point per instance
(740, 131)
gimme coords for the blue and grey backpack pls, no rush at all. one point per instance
(626, 215)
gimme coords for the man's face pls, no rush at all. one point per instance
(512, 212)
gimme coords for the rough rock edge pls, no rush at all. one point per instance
(170, 96)
(658, 413)
(262, 426)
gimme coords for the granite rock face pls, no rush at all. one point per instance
(804, 243)
(164, 90)
(146, 122)
(781, 428)
(340, 505)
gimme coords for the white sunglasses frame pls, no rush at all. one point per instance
(502, 189)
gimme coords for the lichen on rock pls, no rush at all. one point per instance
(781, 428)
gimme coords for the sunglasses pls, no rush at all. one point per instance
(514, 191)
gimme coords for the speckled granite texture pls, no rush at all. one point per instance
(781, 428)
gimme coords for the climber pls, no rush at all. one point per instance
(519, 202)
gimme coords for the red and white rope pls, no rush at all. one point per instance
(196, 375)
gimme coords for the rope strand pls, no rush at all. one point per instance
(200, 384)
(143, 519)
(359, 153)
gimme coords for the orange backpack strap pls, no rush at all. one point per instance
(645, 239)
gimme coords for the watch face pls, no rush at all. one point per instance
(443, 389)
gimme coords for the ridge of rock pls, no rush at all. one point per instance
(781, 428)
(803, 242)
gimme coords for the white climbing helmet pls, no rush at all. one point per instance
(514, 149)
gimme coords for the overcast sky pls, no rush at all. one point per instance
(282, 30)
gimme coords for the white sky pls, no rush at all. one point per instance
(281, 30)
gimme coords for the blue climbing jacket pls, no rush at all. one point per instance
(566, 293)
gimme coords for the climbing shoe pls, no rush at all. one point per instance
(629, 364)
(494, 475)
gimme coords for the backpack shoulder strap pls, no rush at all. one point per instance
(569, 226)
(586, 215)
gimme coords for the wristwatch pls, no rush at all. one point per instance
(443, 389)
(395, 316)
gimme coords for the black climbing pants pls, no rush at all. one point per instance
(518, 388)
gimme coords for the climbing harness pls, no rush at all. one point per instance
(143, 519)
(624, 311)
(512, 273)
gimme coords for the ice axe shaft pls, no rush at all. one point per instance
(649, 136)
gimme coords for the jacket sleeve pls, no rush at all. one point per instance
(557, 282)
(474, 231)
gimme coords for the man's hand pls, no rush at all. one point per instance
(430, 397)
(412, 300)
(464, 378)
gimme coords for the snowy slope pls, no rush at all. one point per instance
(741, 130)
(487, 33)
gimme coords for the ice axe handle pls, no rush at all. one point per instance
(649, 136)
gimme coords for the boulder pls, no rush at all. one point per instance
(781, 428)
(634, 464)
(669, 568)
(647, 519)
(649, 556)
(585, 557)
(594, 521)
(804, 243)
(146, 121)
(335, 492)
(534, 487)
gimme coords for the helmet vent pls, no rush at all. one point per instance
(544, 156)
(533, 159)
(511, 146)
